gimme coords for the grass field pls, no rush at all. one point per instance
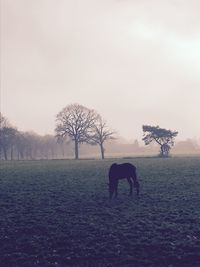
(57, 213)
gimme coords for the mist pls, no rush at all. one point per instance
(134, 62)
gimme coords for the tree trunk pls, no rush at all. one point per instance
(161, 151)
(22, 154)
(62, 150)
(164, 150)
(11, 153)
(102, 151)
(52, 153)
(76, 149)
(5, 153)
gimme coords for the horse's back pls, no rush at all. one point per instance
(123, 170)
(128, 166)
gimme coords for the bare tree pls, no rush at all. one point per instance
(7, 137)
(77, 122)
(62, 143)
(32, 145)
(101, 133)
(47, 146)
(20, 145)
(3, 122)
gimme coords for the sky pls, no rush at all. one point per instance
(134, 62)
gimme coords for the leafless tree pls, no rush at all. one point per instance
(3, 122)
(101, 133)
(62, 143)
(77, 122)
(47, 146)
(20, 145)
(7, 137)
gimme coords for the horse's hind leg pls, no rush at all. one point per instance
(136, 185)
(131, 186)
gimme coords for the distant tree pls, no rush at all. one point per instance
(3, 122)
(63, 142)
(20, 145)
(164, 138)
(100, 134)
(29, 145)
(7, 140)
(47, 146)
(188, 146)
(136, 145)
(7, 137)
(77, 122)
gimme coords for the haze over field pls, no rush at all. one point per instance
(135, 62)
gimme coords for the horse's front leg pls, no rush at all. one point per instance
(131, 186)
(137, 186)
(116, 189)
(110, 195)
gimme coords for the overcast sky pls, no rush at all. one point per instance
(135, 62)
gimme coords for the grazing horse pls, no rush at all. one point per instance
(121, 171)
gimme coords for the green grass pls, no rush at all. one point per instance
(57, 213)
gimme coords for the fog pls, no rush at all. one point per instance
(135, 62)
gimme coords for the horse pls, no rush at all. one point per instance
(122, 171)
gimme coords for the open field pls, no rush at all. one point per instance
(57, 213)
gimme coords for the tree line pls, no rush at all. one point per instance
(75, 125)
